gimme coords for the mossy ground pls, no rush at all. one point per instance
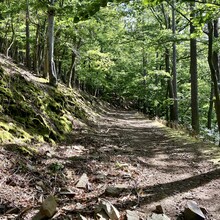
(33, 111)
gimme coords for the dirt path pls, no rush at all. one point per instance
(127, 151)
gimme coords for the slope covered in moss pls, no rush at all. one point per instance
(31, 110)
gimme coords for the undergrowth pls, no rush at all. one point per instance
(33, 111)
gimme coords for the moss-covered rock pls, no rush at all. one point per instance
(32, 110)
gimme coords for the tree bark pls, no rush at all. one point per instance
(194, 77)
(52, 69)
(173, 116)
(12, 39)
(71, 72)
(36, 51)
(209, 118)
(215, 52)
(169, 86)
(214, 73)
(28, 57)
(174, 72)
(144, 63)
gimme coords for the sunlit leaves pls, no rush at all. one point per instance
(99, 61)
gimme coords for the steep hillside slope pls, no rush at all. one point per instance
(31, 110)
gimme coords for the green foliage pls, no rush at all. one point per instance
(119, 48)
(56, 167)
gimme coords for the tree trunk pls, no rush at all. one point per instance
(209, 120)
(194, 77)
(71, 72)
(12, 39)
(43, 50)
(173, 116)
(144, 64)
(169, 86)
(214, 73)
(46, 63)
(174, 72)
(215, 52)
(60, 64)
(52, 69)
(28, 57)
(36, 50)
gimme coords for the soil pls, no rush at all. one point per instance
(150, 163)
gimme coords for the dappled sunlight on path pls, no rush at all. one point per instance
(151, 163)
(160, 164)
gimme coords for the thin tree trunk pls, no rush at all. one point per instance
(209, 120)
(71, 71)
(46, 64)
(214, 73)
(36, 50)
(174, 72)
(169, 85)
(16, 53)
(28, 56)
(144, 63)
(52, 69)
(215, 52)
(12, 39)
(43, 51)
(194, 77)
(60, 64)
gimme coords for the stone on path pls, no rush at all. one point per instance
(115, 190)
(102, 215)
(47, 209)
(159, 209)
(193, 212)
(132, 215)
(156, 216)
(81, 217)
(83, 181)
(110, 210)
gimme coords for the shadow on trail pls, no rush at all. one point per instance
(158, 165)
(160, 191)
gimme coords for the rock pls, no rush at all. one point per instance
(81, 217)
(100, 178)
(30, 167)
(47, 209)
(204, 211)
(159, 209)
(83, 182)
(49, 154)
(126, 175)
(193, 212)
(132, 215)
(109, 209)
(115, 190)
(102, 215)
(156, 216)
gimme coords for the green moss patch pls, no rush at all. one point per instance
(35, 111)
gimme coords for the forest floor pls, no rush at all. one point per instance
(149, 164)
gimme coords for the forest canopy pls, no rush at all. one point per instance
(160, 57)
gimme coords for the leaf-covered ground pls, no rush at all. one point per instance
(143, 162)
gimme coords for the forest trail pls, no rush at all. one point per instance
(144, 162)
(164, 167)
